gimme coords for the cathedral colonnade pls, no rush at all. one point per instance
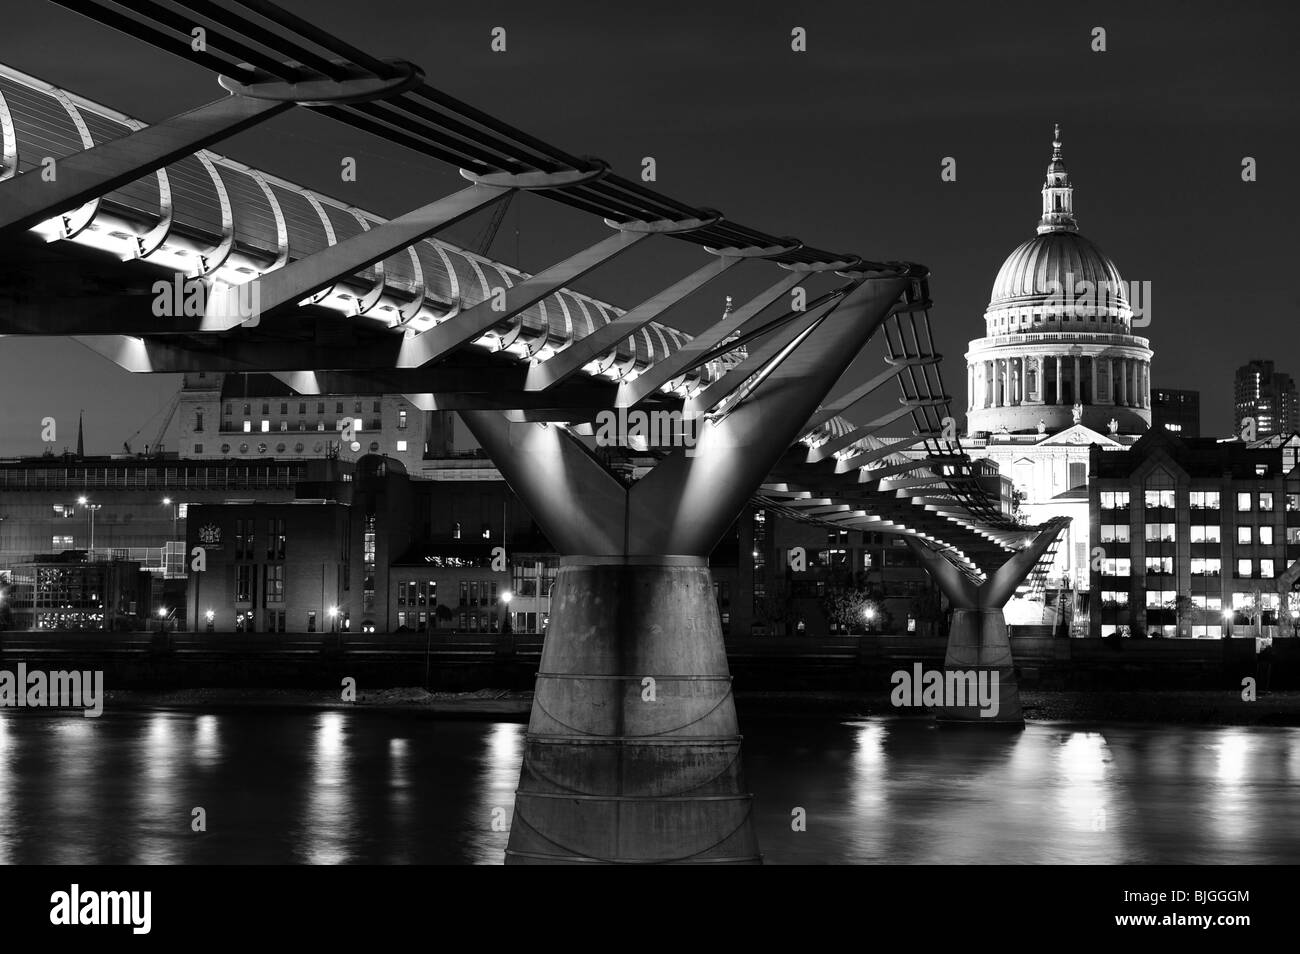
(1000, 380)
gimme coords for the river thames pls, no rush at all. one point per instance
(291, 786)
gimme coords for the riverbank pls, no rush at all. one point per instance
(1201, 707)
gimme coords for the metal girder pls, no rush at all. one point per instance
(300, 279)
(690, 499)
(581, 507)
(28, 199)
(763, 359)
(157, 354)
(1002, 581)
(879, 453)
(548, 373)
(828, 448)
(687, 357)
(850, 398)
(471, 323)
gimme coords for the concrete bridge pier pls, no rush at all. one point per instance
(633, 753)
(633, 749)
(978, 641)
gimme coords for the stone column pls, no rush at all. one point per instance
(1092, 367)
(1058, 379)
(1078, 380)
(1123, 382)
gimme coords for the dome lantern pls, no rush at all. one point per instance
(1058, 194)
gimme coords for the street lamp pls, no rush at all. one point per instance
(91, 507)
(334, 619)
(162, 619)
(506, 597)
(167, 502)
(1227, 623)
(869, 613)
(210, 616)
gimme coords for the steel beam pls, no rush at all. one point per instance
(572, 359)
(471, 323)
(287, 286)
(759, 361)
(28, 200)
(687, 357)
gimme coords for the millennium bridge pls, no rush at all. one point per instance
(141, 243)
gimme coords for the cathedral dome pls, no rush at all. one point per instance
(1055, 262)
(1058, 348)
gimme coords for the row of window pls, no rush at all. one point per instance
(466, 622)
(1198, 533)
(1198, 500)
(272, 583)
(265, 426)
(1167, 599)
(1164, 565)
(245, 536)
(298, 448)
(376, 407)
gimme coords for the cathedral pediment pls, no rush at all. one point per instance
(1079, 434)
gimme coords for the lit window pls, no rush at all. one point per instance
(1243, 534)
(1243, 567)
(401, 446)
(266, 427)
(248, 427)
(1243, 503)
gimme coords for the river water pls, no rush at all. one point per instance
(290, 786)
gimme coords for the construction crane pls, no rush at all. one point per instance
(156, 446)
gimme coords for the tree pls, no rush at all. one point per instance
(1184, 609)
(1018, 498)
(774, 608)
(927, 609)
(442, 612)
(854, 609)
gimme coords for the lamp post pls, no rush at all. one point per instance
(334, 619)
(869, 613)
(506, 597)
(91, 507)
(210, 616)
(162, 619)
(1227, 624)
(167, 502)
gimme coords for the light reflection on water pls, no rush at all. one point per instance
(340, 787)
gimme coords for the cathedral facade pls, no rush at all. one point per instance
(1058, 370)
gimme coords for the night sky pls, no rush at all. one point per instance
(840, 146)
